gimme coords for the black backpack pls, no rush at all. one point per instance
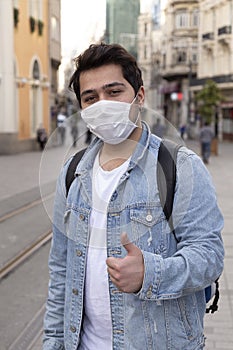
(166, 178)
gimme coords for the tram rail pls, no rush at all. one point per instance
(17, 260)
(25, 208)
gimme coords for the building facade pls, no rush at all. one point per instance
(179, 59)
(216, 58)
(26, 71)
(149, 53)
(195, 44)
(121, 23)
(55, 58)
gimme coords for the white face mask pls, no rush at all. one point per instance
(109, 120)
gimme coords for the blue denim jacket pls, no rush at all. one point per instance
(167, 313)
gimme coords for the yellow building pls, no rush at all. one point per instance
(26, 70)
(32, 67)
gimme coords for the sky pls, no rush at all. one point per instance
(83, 22)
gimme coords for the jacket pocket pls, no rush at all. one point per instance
(147, 223)
(76, 224)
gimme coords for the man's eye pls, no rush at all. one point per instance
(89, 99)
(115, 92)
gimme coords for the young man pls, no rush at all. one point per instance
(119, 278)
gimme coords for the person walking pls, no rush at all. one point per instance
(119, 277)
(206, 137)
(74, 129)
(41, 137)
(158, 128)
(61, 126)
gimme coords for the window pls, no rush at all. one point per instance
(36, 9)
(195, 18)
(181, 57)
(36, 70)
(194, 57)
(145, 52)
(156, 15)
(164, 60)
(181, 19)
(55, 33)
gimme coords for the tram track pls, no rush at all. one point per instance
(26, 248)
(25, 208)
(24, 254)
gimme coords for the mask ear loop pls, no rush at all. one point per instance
(139, 108)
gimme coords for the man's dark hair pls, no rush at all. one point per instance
(98, 55)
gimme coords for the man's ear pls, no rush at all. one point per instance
(141, 95)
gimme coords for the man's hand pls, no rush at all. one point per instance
(127, 273)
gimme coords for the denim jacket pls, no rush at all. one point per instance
(167, 313)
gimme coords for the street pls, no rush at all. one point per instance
(23, 292)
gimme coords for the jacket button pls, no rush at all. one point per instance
(73, 329)
(81, 217)
(149, 293)
(75, 291)
(78, 252)
(149, 218)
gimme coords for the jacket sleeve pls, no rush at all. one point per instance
(198, 258)
(54, 316)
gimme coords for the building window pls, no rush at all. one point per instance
(145, 52)
(181, 57)
(145, 29)
(195, 18)
(36, 70)
(164, 59)
(182, 19)
(55, 33)
(156, 15)
(194, 58)
(36, 9)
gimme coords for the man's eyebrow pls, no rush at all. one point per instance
(113, 84)
(86, 92)
(104, 87)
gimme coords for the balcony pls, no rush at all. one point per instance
(224, 30)
(208, 36)
(224, 35)
(208, 40)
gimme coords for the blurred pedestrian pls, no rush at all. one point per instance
(158, 128)
(182, 130)
(74, 133)
(206, 137)
(41, 136)
(61, 126)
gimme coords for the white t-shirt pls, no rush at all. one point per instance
(97, 324)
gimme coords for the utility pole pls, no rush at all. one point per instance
(189, 92)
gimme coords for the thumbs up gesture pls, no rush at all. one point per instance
(127, 273)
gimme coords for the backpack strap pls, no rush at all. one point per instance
(166, 177)
(214, 306)
(71, 169)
